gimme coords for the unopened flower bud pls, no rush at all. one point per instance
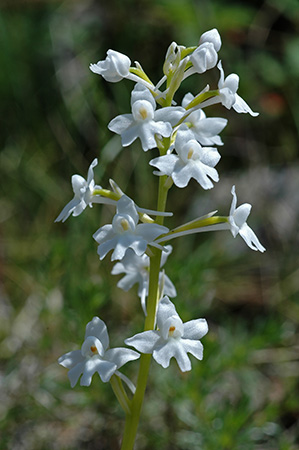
(204, 57)
(115, 67)
(213, 37)
(172, 59)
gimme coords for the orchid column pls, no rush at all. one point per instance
(185, 138)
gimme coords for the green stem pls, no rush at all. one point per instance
(132, 420)
(198, 223)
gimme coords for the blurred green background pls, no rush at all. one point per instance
(54, 115)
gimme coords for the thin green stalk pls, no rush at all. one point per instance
(132, 420)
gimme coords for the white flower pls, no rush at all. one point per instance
(114, 68)
(213, 37)
(192, 161)
(228, 93)
(238, 225)
(235, 222)
(172, 58)
(145, 122)
(205, 129)
(95, 356)
(125, 232)
(204, 57)
(173, 338)
(136, 270)
(83, 190)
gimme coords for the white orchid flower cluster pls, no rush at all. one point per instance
(186, 140)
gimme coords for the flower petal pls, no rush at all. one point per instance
(181, 174)
(195, 329)
(212, 36)
(165, 310)
(184, 135)
(234, 201)
(104, 368)
(137, 243)
(165, 163)
(241, 214)
(78, 183)
(96, 327)
(171, 114)
(149, 129)
(150, 231)
(172, 349)
(104, 233)
(120, 123)
(90, 174)
(105, 247)
(242, 107)
(130, 135)
(169, 288)
(121, 356)
(251, 238)
(68, 210)
(70, 359)
(210, 156)
(144, 342)
(75, 373)
(141, 92)
(128, 281)
(193, 347)
(125, 205)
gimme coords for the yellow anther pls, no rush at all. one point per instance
(143, 113)
(171, 331)
(93, 349)
(125, 224)
(190, 153)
